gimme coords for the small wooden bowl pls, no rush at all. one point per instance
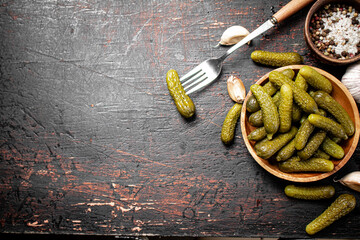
(342, 95)
(326, 59)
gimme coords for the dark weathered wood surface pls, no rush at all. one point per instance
(92, 143)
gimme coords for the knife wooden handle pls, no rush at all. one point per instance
(290, 8)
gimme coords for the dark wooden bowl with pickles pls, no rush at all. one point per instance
(342, 96)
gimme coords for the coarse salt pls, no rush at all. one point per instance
(345, 35)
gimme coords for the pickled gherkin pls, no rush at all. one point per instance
(285, 108)
(229, 125)
(295, 164)
(321, 154)
(276, 59)
(312, 145)
(328, 125)
(286, 152)
(301, 82)
(289, 73)
(302, 136)
(315, 79)
(266, 149)
(296, 113)
(301, 97)
(257, 134)
(332, 148)
(256, 119)
(269, 111)
(252, 104)
(327, 102)
(183, 102)
(310, 192)
(342, 206)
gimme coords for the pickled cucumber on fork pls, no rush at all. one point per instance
(342, 206)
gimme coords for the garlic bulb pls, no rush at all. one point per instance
(233, 35)
(351, 80)
(351, 180)
(236, 89)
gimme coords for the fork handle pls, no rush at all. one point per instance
(290, 8)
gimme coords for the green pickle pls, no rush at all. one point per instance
(325, 101)
(310, 192)
(183, 102)
(286, 152)
(332, 148)
(289, 73)
(342, 206)
(269, 111)
(296, 113)
(276, 59)
(328, 125)
(302, 136)
(256, 119)
(315, 79)
(301, 97)
(266, 149)
(321, 154)
(301, 82)
(257, 134)
(285, 108)
(312, 145)
(229, 125)
(252, 104)
(295, 164)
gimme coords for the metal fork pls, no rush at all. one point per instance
(208, 71)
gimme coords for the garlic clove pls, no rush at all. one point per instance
(236, 89)
(351, 180)
(233, 35)
(351, 80)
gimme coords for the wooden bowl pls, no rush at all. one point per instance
(342, 95)
(326, 59)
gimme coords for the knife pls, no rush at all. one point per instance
(286, 11)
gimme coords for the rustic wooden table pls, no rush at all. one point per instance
(91, 141)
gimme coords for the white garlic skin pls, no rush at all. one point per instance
(233, 35)
(351, 80)
(351, 180)
(236, 89)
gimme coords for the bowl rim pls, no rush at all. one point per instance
(290, 176)
(316, 6)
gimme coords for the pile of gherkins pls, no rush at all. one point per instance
(299, 124)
